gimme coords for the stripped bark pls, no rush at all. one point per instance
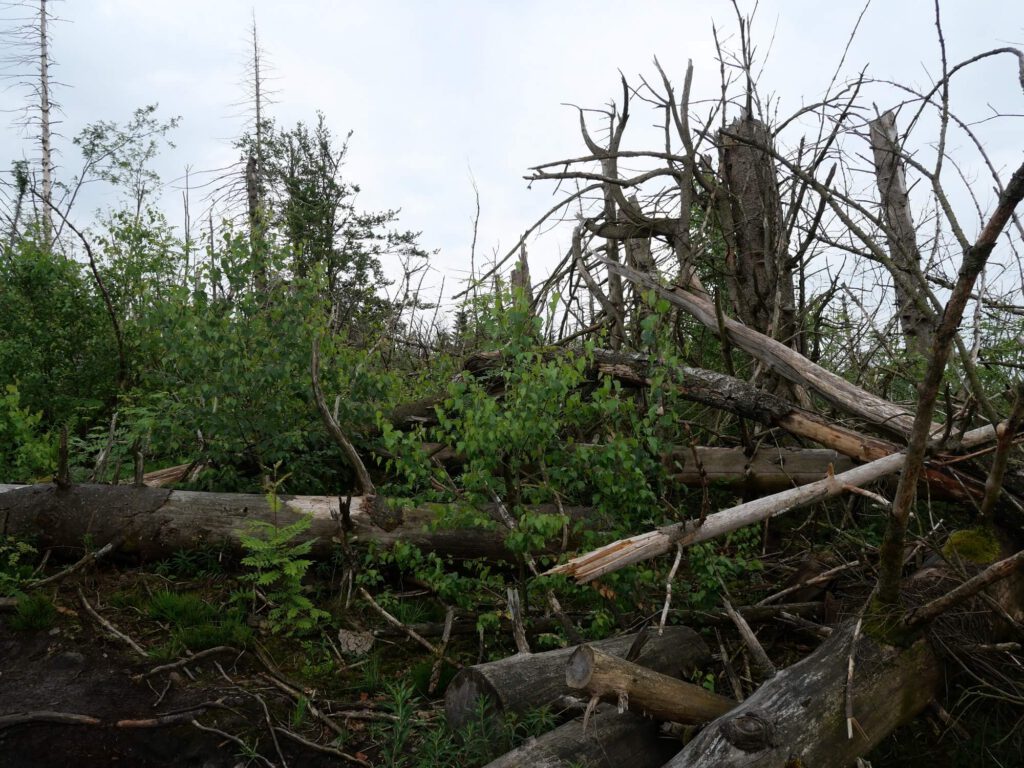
(799, 716)
(155, 523)
(610, 740)
(784, 361)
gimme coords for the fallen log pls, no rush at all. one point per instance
(635, 549)
(769, 469)
(154, 523)
(641, 690)
(610, 740)
(800, 716)
(531, 680)
(786, 362)
(723, 392)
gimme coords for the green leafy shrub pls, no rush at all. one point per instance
(27, 453)
(14, 569)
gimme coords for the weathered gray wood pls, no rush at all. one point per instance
(528, 681)
(799, 716)
(611, 740)
(156, 522)
(786, 362)
(918, 326)
(642, 690)
(769, 469)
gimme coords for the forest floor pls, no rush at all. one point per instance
(212, 683)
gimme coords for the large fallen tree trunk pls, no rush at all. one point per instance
(800, 716)
(610, 740)
(635, 549)
(152, 523)
(531, 680)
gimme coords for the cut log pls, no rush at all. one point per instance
(531, 680)
(155, 523)
(799, 716)
(610, 740)
(642, 690)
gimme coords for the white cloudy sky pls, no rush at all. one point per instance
(437, 90)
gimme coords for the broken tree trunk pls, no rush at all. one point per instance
(155, 523)
(635, 549)
(610, 740)
(641, 690)
(918, 326)
(800, 716)
(757, 263)
(784, 361)
(531, 680)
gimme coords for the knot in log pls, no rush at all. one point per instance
(750, 732)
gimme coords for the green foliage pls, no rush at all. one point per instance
(279, 564)
(978, 546)
(196, 623)
(14, 568)
(57, 342)
(33, 614)
(717, 564)
(26, 453)
(203, 562)
(399, 702)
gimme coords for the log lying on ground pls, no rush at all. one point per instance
(531, 680)
(769, 469)
(641, 690)
(799, 716)
(610, 740)
(635, 549)
(155, 523)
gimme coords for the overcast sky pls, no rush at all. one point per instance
(437, 91)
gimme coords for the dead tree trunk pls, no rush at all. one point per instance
(610, 740)
(154, 523)
(918, 327)
(800, 716)
(530, 680)
(759, 274)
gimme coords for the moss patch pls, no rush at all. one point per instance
(972, 545)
